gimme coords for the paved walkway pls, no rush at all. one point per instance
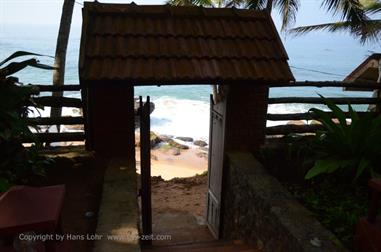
(118, 214)
(118, 220)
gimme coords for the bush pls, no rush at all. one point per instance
(17, 163)
(351, 149)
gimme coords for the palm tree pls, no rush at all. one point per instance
(61, 47)
(351, 10)
(368, 30)
(207, 3)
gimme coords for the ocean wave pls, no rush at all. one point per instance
(181, 117)
(188, 118)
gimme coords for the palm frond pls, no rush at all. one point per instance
(368, 31)
(373, 8)
(351, 10)
(20, 54)
(218, 3)
(14, 67)
(256, 4)
(288, 10)
(234, 3)
(204, 3)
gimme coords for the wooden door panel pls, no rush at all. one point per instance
(215, 166)
(216, 156)
(213, 212)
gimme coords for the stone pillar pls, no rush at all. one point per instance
(111, 120)
(246, 109)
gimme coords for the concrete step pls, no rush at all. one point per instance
(215, 246)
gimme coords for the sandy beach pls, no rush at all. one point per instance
(179, 189)
(163, 163)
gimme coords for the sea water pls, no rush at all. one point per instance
(184, 110)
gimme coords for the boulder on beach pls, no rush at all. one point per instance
(206, 149)
(174, 151)
(200, 143)
(185, 139)
(165, 138)
(155, 139)
(156, 179)
(154, 157)
(202, 155)
(173, 143)
(77, 111)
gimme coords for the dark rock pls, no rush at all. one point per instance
(154, 157)
(206, 149)
(200, 143)
(155, 139)
(173, 143)
(165, 138)
(77, 111)
(202, 155)
(156, 179)
(175, 151)
(185, 139)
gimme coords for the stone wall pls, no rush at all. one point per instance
(260, 211)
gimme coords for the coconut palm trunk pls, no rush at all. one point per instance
(60, 56)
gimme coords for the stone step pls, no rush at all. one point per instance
(215, 246)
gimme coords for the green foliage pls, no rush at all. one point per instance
(4, 184)
(358, 23)
(17, 163)
(203, 174)
(352, 149)
(338, 206)
(355, 16)
(12, 110)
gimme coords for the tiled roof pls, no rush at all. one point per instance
(170, 44)
(370, 64)
(367, 71)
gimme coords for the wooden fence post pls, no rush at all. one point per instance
(145, 170)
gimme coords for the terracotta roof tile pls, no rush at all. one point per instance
(159, 44)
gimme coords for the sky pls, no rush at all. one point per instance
(48, 12)
(320, 51)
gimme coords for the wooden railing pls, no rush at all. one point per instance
(312, 128)
(60, 102)
(57, 102)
